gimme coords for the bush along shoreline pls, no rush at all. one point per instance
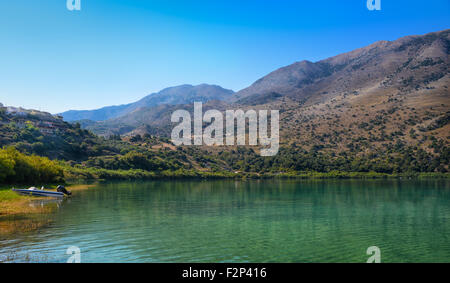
(21, 170)
(86, 174)
(17, 168)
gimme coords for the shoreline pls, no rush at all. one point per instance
(19, 208)
(131, 175)
(12, 203)
(20, 213)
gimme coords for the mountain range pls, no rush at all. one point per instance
(382, 108)
(182, 94)
(392, 86)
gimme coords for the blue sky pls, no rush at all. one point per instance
(115, 52)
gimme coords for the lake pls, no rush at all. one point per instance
(245, 221)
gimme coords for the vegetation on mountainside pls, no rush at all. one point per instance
(398, 159)
(379, 110)
(79, 154)
(383, 108)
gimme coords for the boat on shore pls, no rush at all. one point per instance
(33, 191)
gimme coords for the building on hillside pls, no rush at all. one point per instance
(20, 124)
(14, 111)
(48, 124)
(50, 127)
(47, 131)
(46, 127)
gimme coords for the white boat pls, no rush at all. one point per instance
(33, 191)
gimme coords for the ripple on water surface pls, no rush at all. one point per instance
(246, 221)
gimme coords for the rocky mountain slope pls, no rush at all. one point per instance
(173, 95)
(386, 93)
(382, 108)
(393, 87)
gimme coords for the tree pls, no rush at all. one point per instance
(6, 166)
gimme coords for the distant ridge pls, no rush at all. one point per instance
(390, 93)
(182, 94)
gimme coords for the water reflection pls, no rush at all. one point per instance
(57, 202)
(256, 221)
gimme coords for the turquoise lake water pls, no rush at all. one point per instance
(245, 221)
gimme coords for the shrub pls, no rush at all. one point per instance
(16, 167)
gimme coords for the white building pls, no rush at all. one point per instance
(15, 111)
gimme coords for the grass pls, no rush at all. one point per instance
(8, 195)
(17, 214)
(12, 203)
